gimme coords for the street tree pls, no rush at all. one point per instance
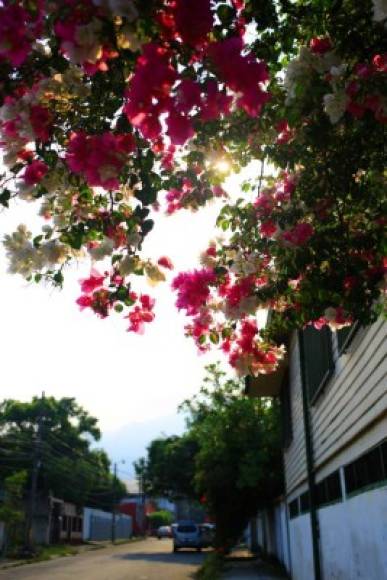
(12, 509)
(238, 467)
(54, 437)
(112, 111)
(231, 460)
(168, 469)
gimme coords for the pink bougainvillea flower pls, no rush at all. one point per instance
(320, 44)
(243, 74)
(193, 289)
(148, 93)
(299, 235)
(165, 262)
(180, 128)
(35, 172)
(268, 228)
(15, 45)
(193, 21)
(264, 206)
(100, 158)
(84, 301)
(215, 103)
(95, 280)
(141, 314)
(188, 96)
(379, 61)
(41, 122)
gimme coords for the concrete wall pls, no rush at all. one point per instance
(354, 537)
(348, 418)
(97, 525)
(269, 532)
(301, 548)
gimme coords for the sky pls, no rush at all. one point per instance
(131, 383)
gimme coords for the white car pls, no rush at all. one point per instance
(164, 532)
(186, 535)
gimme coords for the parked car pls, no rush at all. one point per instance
(164, 532)
(208, 534)
(186, 535)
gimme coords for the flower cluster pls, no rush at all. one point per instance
(99, 158)
(242, 73)
(100, 293)
(353, 89)
(108, 107)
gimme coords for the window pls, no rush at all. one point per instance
(304, 502)
(367, 470)
(316, 356)
(293, 508)
(64, 523)
(329, 490)
(321, 497)
(333, 487)
(345, 336)
(187, 529)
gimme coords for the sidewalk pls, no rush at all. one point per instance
(241, 564)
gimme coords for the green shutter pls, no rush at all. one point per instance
(318, 359)
(345, 336)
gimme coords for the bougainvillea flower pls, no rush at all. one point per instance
(35, 172)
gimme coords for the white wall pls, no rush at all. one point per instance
(354, 537)
(94, 518)
(271, 533)
(301, 548)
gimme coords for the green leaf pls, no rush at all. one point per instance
(214, 337)
(5, 196)
(147, 226)
(147, 195)
(58, 278)
(36, 241)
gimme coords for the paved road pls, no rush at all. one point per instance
(150, 559)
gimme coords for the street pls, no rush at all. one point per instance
(149, 559)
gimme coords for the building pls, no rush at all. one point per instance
(134, 505)
(332, 521)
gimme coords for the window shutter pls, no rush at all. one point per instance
(345, 336)
(318, 359)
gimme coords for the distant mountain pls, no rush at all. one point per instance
(129, 442)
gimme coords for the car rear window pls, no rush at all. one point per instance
(186, 529)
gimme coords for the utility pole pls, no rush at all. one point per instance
(114, 504)
(36, 464)
(142, 491)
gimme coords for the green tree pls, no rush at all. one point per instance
(160, 518)
(168, 469)
(58, 434)
(12, 509)
(229, 458)
(238, 467)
